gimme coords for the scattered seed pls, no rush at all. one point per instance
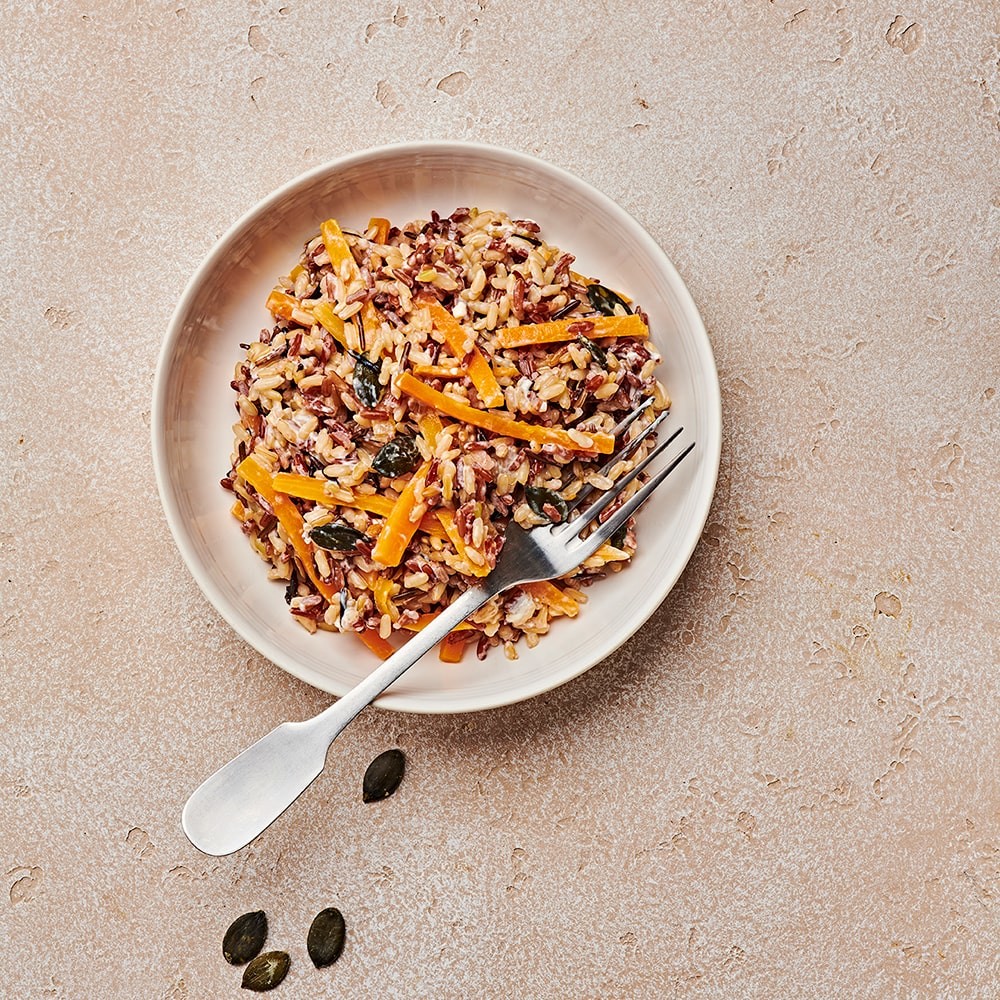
(539, 498)
(367, 386)
(325, 940)
(596, 352)
(383, 776)
(266, 971)
(245, 937)
(397, 457)
(606, 301)
(337, 537)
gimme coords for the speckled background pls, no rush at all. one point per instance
(786, 785)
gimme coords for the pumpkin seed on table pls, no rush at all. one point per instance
(266, 971)
(337, 537)
(605, 301)
(325, 940)
(539, 498)
(397, 457)
(245, 938)
(383, 776)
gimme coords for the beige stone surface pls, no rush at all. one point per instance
(786, 784)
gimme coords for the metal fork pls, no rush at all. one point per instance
(244, 797)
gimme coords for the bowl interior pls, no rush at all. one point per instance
(224, 304)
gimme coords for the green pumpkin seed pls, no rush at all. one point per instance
(606, 301)
(596, 352)
(618, 538)
(397, 457)
(383, 776)
(245, 937)
(325, 940)
(266, 971)
(538, 498)
(337, 537)
(367, 386)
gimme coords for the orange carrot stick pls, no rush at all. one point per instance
(457, 338)
(569, 329)
(502, 423)
(399, 527)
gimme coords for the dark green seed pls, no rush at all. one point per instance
(245, 937)
(367, 387)
(606, 301)
(383, 776)
(397, 457)
(539, 498)
(325, 940)
(337, 537)
(266, 971)
(597, 353)
(618, 538)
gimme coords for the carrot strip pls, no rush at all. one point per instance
(430, 426)
(550, 594)
(439, 371)
(381, 229)
(331, 322)
(338, 252)
(451, 648)
(382, 648)
(457, 338)
(382, 591)
(399, 528)
(308, 488)
(569, 329)
(259, 477)
(447, 519)
(502, 423)
(238, 511)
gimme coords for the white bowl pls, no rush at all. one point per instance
(223, 304)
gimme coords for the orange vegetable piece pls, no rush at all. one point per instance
(308, 488)
(500, 423)
(550, 594)
(456, 337)
(399, 528)
(259, 477)
(452, 647)
(382, 648)
(568, 329)
(381, 228)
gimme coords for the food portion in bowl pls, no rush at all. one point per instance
(419, 387)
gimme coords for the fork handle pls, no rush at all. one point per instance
(248, 794)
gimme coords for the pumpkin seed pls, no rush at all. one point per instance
(245, 937)
(266, 971)
(397, 457)
(596, 352)
(606, 301)
(325, 940)
(618, 538)
(539, 498)
(383, 776)
(337, 537)
(367, 386)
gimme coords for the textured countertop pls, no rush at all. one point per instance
(786, 784)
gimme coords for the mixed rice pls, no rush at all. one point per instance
(362, 476)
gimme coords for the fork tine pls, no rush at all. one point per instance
(604, 531)
(573, 528)
(621, 455)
